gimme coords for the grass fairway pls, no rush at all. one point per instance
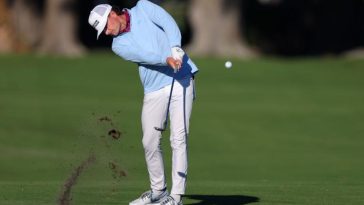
(264, 132)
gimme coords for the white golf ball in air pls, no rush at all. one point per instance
(228, 64)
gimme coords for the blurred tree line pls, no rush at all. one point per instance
(240, 28)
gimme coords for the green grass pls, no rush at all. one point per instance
(283, 131)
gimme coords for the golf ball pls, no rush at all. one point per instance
(228, 64)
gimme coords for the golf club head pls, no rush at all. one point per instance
(160, 129)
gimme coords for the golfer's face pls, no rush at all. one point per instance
(113, 26)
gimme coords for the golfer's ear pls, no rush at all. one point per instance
(112, 13)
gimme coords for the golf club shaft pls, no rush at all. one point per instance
(167, 113)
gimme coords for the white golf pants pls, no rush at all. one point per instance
(153, 115)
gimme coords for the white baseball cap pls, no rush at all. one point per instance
(98, 17)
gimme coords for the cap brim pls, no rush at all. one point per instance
(102, 27)
(103, 23)
(98, 34)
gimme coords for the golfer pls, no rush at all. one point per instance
(148, 36)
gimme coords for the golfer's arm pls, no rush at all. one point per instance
(135, 56)
(161, 18)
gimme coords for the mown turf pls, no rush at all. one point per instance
(267, 131)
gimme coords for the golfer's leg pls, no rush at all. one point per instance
(153, 115)
(180, 112)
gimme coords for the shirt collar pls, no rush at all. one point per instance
(127, 15)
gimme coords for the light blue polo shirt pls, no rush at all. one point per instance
(153, 32)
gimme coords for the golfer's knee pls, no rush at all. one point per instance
(179, 141)
(151, 141)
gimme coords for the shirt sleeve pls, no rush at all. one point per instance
(161, 18)
(133, 55)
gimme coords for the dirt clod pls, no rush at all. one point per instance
(115, 134)
(117, 172)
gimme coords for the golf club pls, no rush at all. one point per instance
(169, 103)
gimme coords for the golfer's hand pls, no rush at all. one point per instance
(173, 63)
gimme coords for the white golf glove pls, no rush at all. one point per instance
(178, 53)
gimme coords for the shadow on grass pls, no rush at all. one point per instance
(221, 200)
